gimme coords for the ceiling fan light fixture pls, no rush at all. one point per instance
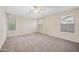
(36, 10)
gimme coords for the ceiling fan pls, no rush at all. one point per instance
(38, 9)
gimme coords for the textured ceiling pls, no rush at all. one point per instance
(28, 11)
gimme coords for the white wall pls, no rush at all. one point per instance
(24, 25)
(51, 25)
(2, 27)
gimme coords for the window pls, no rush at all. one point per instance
(11, 24)
(68, 24)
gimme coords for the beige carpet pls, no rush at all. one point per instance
(37, 42)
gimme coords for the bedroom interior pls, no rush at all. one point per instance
(39, 29)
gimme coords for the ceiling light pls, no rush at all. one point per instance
(38, 9)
